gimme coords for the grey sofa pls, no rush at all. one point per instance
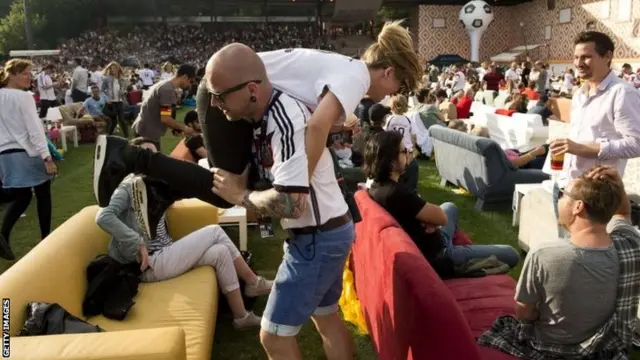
(480, 166)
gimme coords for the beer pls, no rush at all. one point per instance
(557, 161)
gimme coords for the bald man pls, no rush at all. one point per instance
(312, 209)
(309, 280)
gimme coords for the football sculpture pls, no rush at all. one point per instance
(476, 16)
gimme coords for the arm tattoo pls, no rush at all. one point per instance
(275, 204)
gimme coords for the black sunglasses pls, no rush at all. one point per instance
(219, 97)
(562, 193)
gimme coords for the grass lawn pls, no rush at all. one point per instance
(72, 191)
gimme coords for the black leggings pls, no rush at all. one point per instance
(20, 200)
(115, 111)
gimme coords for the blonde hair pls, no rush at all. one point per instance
(399, 104)
(114, 65)
(13, 67)
(394, 48)
(480, 131)
(457, 125)
(167, 67)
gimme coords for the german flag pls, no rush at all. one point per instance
(165, 110)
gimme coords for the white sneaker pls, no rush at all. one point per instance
(260, 288)
(140, 205)
(251, 320)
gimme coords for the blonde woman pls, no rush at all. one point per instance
(115, 88)
(166, 71)
(402, 124)
(330, 84)
(25, 161)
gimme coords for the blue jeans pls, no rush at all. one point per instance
(309, 280)
(461, 254)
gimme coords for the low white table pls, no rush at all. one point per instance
(520, 191)
(236, 215)
(63, 136)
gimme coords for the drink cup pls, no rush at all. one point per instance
(557, 161)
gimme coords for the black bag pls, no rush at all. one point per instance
(51, 319)
(248, 302)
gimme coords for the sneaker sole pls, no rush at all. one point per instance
(98, 164)
(140, 205)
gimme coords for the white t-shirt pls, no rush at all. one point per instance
(481, 71)
(305, 73)
(165, 76)
(568, 81)
(147, 75)
(401, 124)
(45, 80)
(512, 75)
(80, 79)
(286, 123)
(96, 78)
(459, 81)
(20, 125)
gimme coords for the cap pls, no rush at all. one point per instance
(377, 112)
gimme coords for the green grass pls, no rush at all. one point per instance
(72, 191)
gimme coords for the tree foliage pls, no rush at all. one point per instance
(12, 28)
(51, 21)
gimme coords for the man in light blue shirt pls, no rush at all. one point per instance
(96, 103)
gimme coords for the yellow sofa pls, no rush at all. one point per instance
(172, 320)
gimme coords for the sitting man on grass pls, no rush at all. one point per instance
(191, 148)
(126, 218)
(578, 299)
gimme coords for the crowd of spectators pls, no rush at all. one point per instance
(184, 43)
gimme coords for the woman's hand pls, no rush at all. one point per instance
(143, 257)
(50, 167)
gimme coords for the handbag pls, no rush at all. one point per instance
(51, 319)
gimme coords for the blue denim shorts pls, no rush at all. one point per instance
(309, 280)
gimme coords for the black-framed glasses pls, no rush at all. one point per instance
(219, 97)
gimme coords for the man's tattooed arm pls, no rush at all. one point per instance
(275, 204)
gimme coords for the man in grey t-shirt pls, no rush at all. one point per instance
(157, 112)
(569, 289)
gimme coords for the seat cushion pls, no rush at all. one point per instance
(483, 299)
(189, 301)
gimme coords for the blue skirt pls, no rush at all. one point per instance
(19, 170)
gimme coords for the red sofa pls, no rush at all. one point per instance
(410, 312)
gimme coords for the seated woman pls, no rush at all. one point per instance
(126, 219)
(517, 102)
(533, 159)
(430, 226)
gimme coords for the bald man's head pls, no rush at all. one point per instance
(238, 81)
(232, 65)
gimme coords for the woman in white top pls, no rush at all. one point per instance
(331, 85)
(401, 123)
(25, 161)
(167, 71)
